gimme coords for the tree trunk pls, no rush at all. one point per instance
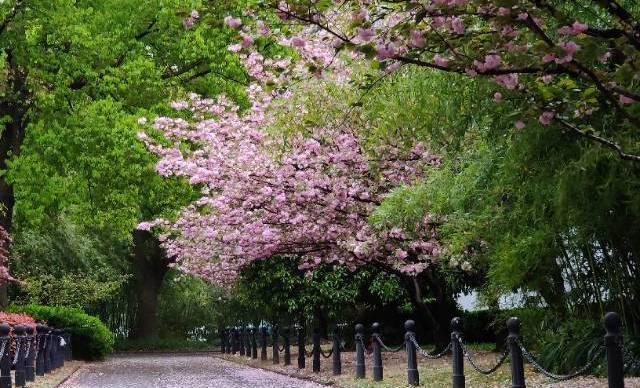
(12, 135)
(151, 265)
(437, 315)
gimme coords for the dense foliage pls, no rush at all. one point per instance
(91, 339)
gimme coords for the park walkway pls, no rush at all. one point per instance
(176, 370)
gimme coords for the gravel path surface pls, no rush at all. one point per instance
(171, 370)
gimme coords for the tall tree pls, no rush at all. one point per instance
(76, 76)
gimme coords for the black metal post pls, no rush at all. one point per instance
(517, 363)
(47, 350)
(68, 354)
(337, 361)
(413, 377)
(301, 350)
(41, 342)
(377, 352)
(243, 333)
(223, 344)
(55, 344)
(19, 331)
(59, 349)
(613, 341)
(263, 344)
(286, 334)
(29, 360)
(457, 355)
(229, 340)
(316, 350)
(5, 357)
(274, 338)
(247, 337)
(236, 340)
(254, 345)
(359, 337)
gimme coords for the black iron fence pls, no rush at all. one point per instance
(242, 340)
(31, 352)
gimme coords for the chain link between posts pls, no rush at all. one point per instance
(326, 355)
(3, 347)
(554, 376)
(15, 356)
(360, 338)
(476, 367)
(26, 354)
(387, 348)
(426, 354)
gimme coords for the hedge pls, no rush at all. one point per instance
(90, 338)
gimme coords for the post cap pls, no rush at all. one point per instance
(410, 325)
(360, 328)
(19, 329)
(30, 330)
(612, 322)
(4, 329)
(456, 324)
(513, 325)
(41, 329)
(375, 328)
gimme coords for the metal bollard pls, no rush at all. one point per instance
(517, 364)
(247, 336)
(263, 344)
(242, 340)
(337, 361)
(301, 350)
(29, 368)
(316, 350)
(59, 349)
(19, 331)
(5, 357)
(55, 343)
(223, 345)
(413, 377)
(613, 341)
(276, 352)
(457, 355)
(236, 340)
(287, 345)
(229, 340)
(47, 350)
(254, 345)
(68, 354)
(41, 340)
(377, 352)
(359, 337)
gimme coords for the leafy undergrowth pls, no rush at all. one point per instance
(162, 344)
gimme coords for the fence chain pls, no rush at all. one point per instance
(26, 354)
(361, 339)
(3, 347)
(426, 354)
(15, 356)
(326, 355)
(553, 376)
(475, 366)
(385, 347)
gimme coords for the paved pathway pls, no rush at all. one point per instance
(171, 370)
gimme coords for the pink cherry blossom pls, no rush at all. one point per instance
(417, 39)
(232, 22)
(497, 96)
(546, 117)
(519, 124)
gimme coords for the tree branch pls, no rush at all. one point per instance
(607, 143)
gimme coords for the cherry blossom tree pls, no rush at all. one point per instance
(307, 196)
(571, 64)
(5, 241)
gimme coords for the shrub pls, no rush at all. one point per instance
(90, 338)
